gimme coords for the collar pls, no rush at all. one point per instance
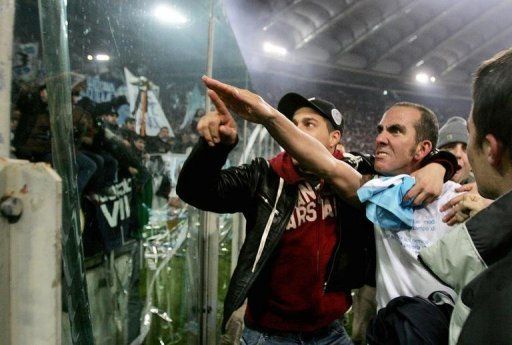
(491, 229)
(283, 166)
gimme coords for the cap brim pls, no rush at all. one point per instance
(290, 102)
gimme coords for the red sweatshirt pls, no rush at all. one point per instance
(289, 296)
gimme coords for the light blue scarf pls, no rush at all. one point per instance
(383, 197)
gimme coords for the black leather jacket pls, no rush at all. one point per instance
(252, 189)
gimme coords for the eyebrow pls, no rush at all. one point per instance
(305, 118)
(395, 127)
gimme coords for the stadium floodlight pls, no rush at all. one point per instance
(102, 57)
(422, 78)
(432, 79)
(90, 57)
(385, 92)
(169, 15)
(274, 49)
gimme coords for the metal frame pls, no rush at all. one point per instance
(463, 29)
(331, 22)
(399, 12)
(503, 34)
(209, 235)
(54, 36)
(278, 15)
(406, 40)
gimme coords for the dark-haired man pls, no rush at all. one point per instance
(476, 258)
(305, 247)
(160, 143)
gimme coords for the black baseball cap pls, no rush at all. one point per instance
(290, 102)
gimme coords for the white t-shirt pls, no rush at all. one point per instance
(399, 273)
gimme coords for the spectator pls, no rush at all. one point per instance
(453, 137)
(161, 143)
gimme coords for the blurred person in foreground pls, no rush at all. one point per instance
(476, 258)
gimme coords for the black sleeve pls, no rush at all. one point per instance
(446, 159)
(203, 183)
(363, 162)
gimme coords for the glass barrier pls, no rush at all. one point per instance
(135, 98)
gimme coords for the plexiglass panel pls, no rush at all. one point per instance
(135, 97)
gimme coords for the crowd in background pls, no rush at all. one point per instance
(107, 150)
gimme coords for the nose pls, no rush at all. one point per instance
(381, 139)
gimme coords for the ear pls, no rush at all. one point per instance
(422, 150)
(334, 138)
(493, 150)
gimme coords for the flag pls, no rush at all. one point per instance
(194, 101)
(155, 117)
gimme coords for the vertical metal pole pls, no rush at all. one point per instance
(209, 59)
(52, 16)
(209, 235)
(6, 32)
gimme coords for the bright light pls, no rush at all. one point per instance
(422, 78)
(385, 92)
(90, 57)
(432, 79)
(102, 57)
(169, 15)
(274, 49)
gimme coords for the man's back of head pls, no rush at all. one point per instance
(490, 126)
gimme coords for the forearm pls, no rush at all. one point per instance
(313, 156)
(205, 185)
(199, 173)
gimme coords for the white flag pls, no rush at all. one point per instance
(155, 117)
(194, 101)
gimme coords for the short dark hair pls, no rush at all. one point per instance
(330, 126)
(427, 128)
(492, 99)
(130, 120)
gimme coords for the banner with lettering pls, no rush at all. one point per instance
(108, 218)
(100, 89)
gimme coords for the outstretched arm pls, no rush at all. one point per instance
(311, 154)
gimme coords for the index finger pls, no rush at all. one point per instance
(466, 187)
(220, 87)
(218, 103)
(412, 193)
(454, 201)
